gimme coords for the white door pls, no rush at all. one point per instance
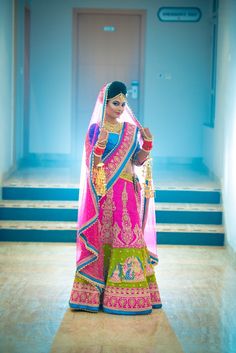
(108, 48)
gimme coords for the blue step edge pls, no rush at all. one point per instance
(188, 196)
(32, 193)
(69, 194)
(201, 239)
(173, 238)
(71, 215)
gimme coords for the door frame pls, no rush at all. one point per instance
(76, 13)
(26, 99)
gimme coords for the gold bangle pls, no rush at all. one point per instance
(100, 146)
(148, 139)
(102, 143)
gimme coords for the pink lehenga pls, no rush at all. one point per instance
(116, 236)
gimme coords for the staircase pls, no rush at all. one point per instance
(47, 213)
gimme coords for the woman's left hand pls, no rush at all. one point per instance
(146, 134)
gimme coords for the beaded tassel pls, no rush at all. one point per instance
(100, 179)
(148, 187)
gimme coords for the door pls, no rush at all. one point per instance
(108, 47)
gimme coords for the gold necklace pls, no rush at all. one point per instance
(113, 127)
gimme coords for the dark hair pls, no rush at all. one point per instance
(115, 88)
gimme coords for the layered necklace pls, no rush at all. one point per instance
(113, 127)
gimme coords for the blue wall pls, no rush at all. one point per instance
(220, 141)
(6, 87)
(174, 108)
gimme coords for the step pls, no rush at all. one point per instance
(188, 213)
(187, 196)
(70, 192)
(40, 193)
(40, 231)
(67, 211)
(56, 204)
(39, 210)
(190, 234)
(185, 234)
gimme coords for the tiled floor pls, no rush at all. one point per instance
(197, 285)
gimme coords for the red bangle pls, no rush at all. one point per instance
(147, 145)
(98, 150)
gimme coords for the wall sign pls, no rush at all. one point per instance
(179, 14)
(109, 29)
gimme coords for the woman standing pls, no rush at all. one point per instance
(116, 237)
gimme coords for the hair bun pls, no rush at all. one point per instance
(115, 88)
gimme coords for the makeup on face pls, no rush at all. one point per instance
(115, 107)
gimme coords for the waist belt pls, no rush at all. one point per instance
(127, 176)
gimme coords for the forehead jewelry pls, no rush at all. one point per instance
(120, 95)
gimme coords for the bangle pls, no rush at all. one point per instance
(147, 145)
(100, 146)
(147, 139)
(98, 151)
(101, 143)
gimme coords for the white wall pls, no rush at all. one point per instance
(6, 88)
(174, 109)
(220, 142)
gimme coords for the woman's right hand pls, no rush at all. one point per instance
(103, 136)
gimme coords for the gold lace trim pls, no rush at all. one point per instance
(127, 176)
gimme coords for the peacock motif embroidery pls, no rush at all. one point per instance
(130, 271)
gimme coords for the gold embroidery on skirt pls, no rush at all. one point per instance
(107, 217)
(139, 235)
(116, 230)
(126, 233)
